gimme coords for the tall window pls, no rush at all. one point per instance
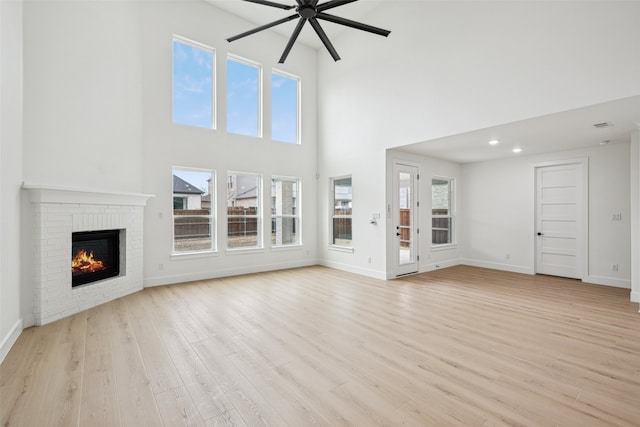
(442, 211)
(285, 219)
(193, 210)
(342, 211)
(285, 112)
(244, 116)
(244, 227)
(193, 84)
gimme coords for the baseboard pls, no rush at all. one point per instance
(440, 264)
(205, 275)
(357, 270)
(10, 339)
(498, 266)
(635, 296)
(608, 281)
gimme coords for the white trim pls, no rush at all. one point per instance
(60, 194)
(337, 248)
(10, 339)
(444, 247)
(635, 214)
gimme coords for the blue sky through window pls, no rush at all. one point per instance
(192, 85)
(242, 98)
(193, 94)
(284, 108)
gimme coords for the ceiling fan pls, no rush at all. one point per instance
(310, 10)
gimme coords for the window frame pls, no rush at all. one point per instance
(260, 90)
(296, 216)
(451, 215)
(212, 214)
(259, 215)
(214, 106)
(333, 216)
(298, 81)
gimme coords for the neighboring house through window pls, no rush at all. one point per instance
(193, 219)
(442, 211)
(285, 217)
(244, 223)
(341, 212)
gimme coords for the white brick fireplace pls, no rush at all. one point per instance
(59, 212)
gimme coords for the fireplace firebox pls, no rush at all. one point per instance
(95, 255)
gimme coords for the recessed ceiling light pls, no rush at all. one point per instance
(494, 142)
(517, 150)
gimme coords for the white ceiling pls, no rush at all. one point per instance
(556, 132)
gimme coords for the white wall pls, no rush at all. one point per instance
(166, 145)
(453, 67)
(97, 113)
(499, 212)
(82, 95)
(10, 171)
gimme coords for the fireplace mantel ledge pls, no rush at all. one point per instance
(60, 194)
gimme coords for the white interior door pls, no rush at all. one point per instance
(560, 220)
(405, 215)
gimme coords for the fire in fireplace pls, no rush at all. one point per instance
(95, 255)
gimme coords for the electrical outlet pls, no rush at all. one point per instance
(369, 260)
(614, 267)
(616, 216)
(160, 266)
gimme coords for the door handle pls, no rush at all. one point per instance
(540, 234)
(397, 234)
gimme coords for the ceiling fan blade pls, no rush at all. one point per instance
(263, 27)
(333, 3)
(325, 40)
(352, 24)
(272, 4)
(292, 40)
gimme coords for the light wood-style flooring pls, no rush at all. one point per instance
(461, 346)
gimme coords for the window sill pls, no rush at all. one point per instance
(345, 249)
(295, 247)
(193, 255)
(444, 247)
(242, 251)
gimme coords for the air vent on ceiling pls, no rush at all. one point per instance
(603, 125)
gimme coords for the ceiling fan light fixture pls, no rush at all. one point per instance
(310, 10)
